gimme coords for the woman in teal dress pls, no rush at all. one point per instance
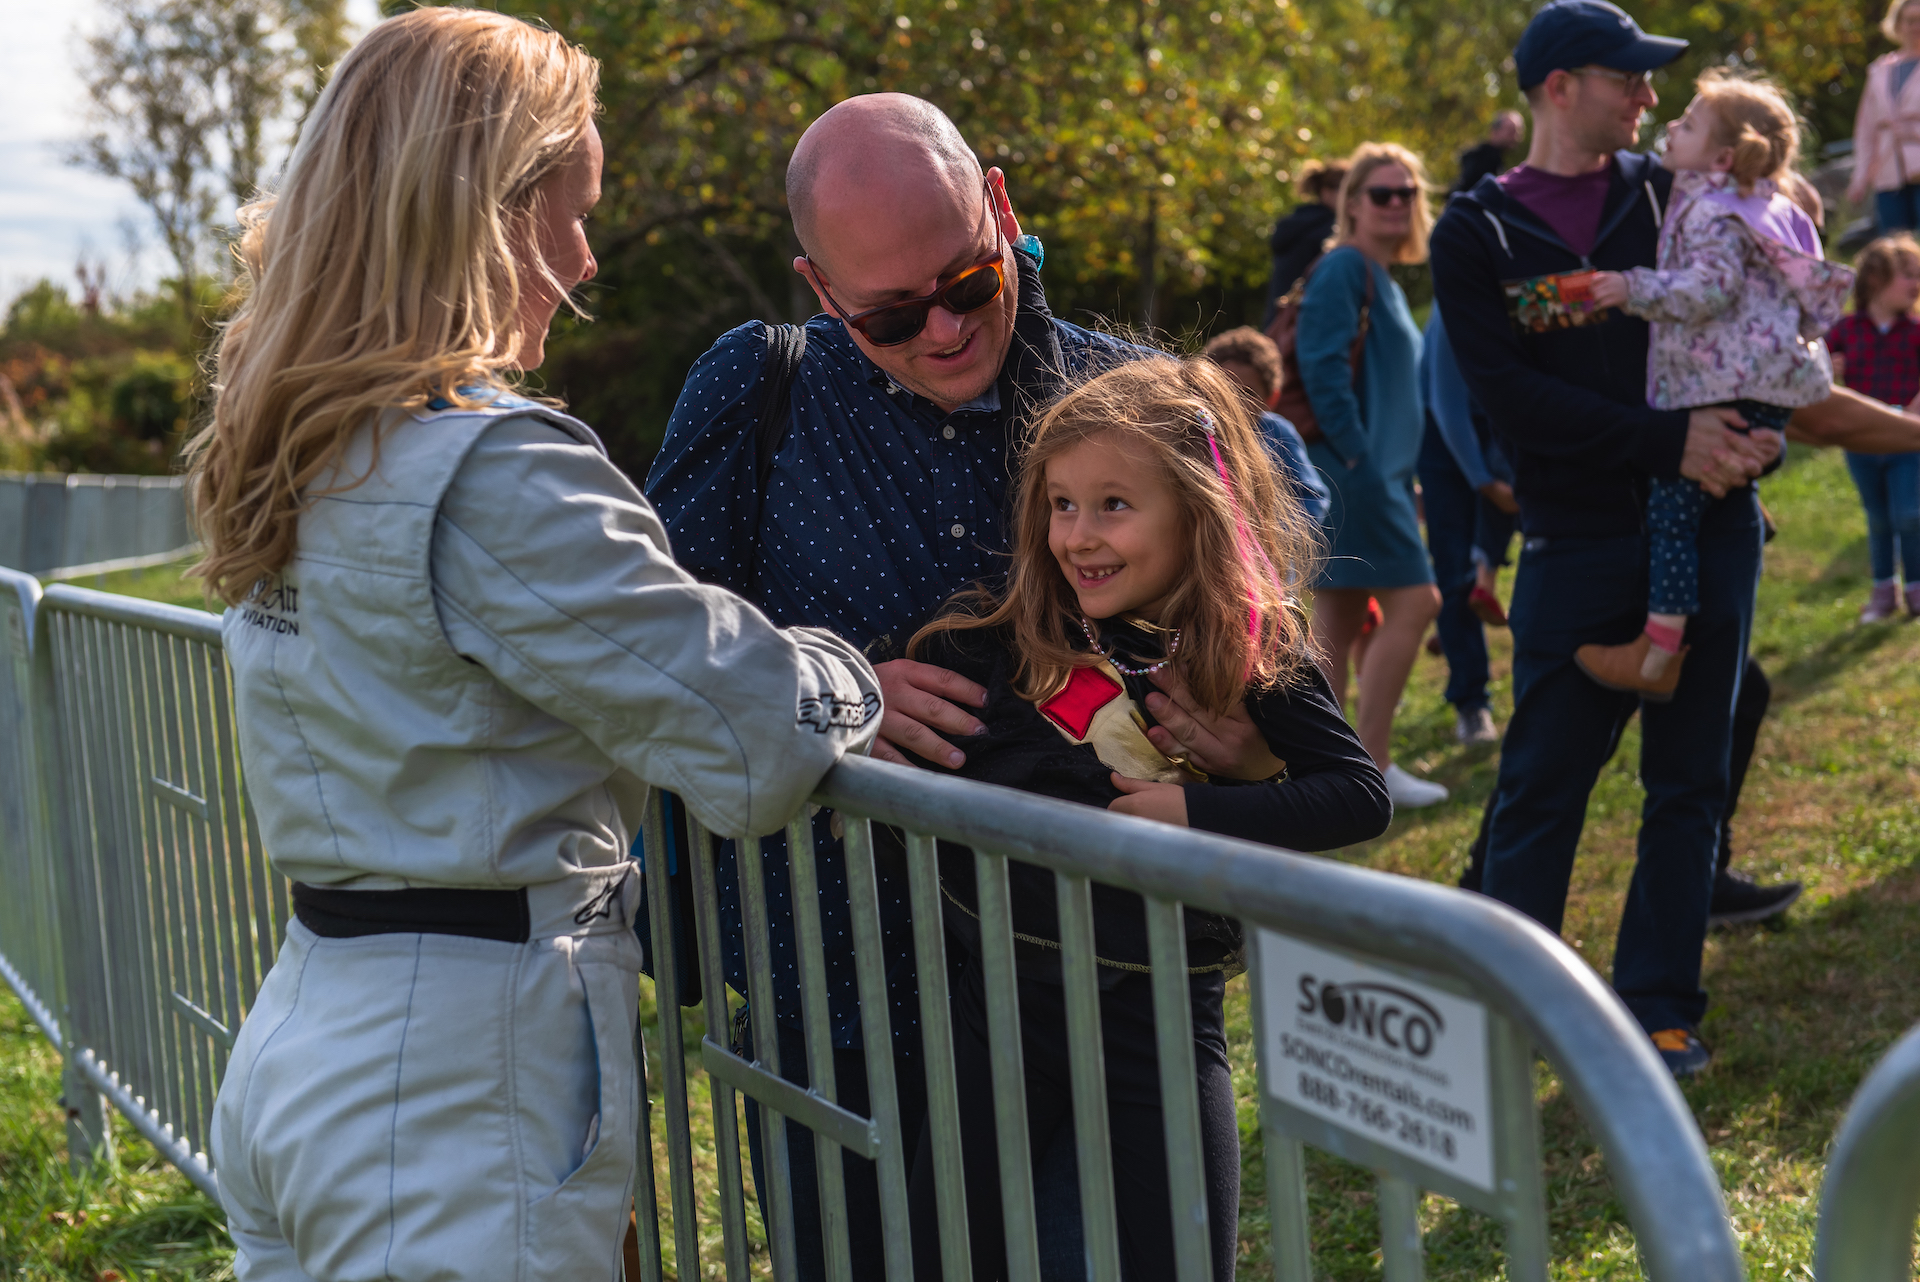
(1372, 422)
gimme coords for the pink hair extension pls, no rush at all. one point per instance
(1250, 549)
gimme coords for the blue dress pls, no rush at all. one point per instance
(1372, 429)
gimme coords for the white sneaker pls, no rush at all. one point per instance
(1475, 725)
(1409, 793)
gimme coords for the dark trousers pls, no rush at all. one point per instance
(1142, 1198)
(865, 1233)
(1898, 210)
(1570, 591)
(1458, 521)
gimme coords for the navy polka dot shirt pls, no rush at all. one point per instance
(879, 507)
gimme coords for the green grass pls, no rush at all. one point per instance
(132, 1218)
(165, 583)
(1799, 1012)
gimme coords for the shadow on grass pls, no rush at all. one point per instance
(1830, 659)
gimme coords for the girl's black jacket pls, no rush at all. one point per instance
(1330, 795)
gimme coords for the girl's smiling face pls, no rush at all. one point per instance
(1690, 144)
(1116, 528)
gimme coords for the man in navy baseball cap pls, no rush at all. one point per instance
(1588, 33)
(1569, 404)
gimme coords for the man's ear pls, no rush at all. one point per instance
(812, 276)
(1559, 86)
(1002, 204)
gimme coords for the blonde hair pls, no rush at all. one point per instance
(1252, 548)
(1879, 263)
(1751, 115)
(1890, 24)
(1371, 156)
(383, 273)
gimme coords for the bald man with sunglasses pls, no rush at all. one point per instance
(888, 492)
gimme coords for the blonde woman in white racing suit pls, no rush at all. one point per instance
(461, 653)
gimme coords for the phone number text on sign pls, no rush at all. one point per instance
(1395, 1061)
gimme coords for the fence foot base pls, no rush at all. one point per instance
(89, 1132)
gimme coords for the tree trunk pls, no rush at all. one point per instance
(1145, 297)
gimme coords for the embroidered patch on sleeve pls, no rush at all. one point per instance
(830, 709)
(1088, 690)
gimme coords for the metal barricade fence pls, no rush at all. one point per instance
(168, 916)
(1871, 1197)
(29, 939)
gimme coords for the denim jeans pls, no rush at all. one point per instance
(1889, 486)
(1898, 210)
(1570, 591)
(1452, 506)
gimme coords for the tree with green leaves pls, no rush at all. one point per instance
(186, 96)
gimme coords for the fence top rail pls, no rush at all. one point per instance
(1871, 1195)
(1605, 1060)
(174, 620)
(24, 586)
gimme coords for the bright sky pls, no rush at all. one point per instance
(52, 212)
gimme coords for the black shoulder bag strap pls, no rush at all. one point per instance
(786, 345)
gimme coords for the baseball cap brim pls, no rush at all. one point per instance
(1644, 53)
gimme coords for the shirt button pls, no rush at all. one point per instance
(947, 431)
(959, 531)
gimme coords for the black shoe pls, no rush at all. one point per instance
(1681, 1051)
(1738, 898)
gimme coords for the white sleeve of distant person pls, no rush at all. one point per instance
(552, 571)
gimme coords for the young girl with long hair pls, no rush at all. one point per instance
(1740, 302)
(1152, 537)
(460, 653)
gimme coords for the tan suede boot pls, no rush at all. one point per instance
(1617, 667)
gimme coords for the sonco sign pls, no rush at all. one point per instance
(1392, 1015)
(1399, 1063)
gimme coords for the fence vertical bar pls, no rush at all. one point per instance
(777, 1199)
(1516, 1159)
(662, 911)
(1401, 1256)
(220, 860)
(936, 1042)
(1173, 1034)
(828, 1164)
(1100, 1225)
(1284, 1158)
(157, 852)
(713, 983)
(999, 972)
(876, 1029)
(88, 1133)
(646, 1226)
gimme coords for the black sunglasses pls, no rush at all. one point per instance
(1384, 196)
(892, 324)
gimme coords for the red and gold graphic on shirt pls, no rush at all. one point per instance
(1093, 707)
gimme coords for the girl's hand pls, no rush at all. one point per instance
(1609, 289)
(1166, 802)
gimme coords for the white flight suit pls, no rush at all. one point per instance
(478, 661)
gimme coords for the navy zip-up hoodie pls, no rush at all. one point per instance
(1572, 403)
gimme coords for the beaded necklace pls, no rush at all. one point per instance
(1173, 648)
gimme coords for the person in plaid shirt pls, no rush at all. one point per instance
(1876, 351)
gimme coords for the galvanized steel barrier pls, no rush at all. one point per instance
(138, 916)
(1871, 1197)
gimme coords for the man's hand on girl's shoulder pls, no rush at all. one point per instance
(1166, 802)
(917, 699)
(1231, 746)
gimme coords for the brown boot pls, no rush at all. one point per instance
(1617, 667)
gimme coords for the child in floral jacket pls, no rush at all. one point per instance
(1739, 303)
